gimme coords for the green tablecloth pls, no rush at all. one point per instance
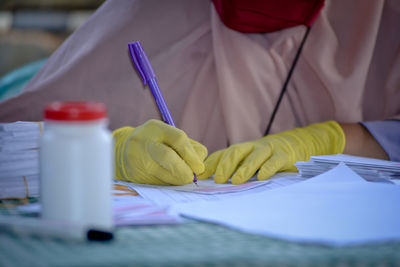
(192, 243)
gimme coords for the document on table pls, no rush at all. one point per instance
(131, 209)
(335, 208)
(165, 196)
(128, 209)
(208, 187)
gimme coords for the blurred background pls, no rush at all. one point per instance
(30, 30)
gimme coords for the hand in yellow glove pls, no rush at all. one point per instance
(157, 153)
(274, 153)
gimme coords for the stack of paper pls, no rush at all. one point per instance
(368, 168)
(19, 159)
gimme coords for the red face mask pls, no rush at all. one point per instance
(267, 15)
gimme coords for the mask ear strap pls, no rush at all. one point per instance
(283, 90)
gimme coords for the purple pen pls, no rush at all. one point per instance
(145, 70)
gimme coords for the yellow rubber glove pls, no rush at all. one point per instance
(157, 153)
(274, 153)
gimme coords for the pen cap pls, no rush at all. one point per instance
(75, 111)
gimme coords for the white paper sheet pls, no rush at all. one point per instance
(334, 208)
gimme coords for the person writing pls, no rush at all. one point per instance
(222, 85)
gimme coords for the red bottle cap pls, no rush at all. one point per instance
(75, 111)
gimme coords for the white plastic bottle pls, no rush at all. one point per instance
(76, 164)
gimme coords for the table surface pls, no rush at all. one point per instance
(191, 243)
